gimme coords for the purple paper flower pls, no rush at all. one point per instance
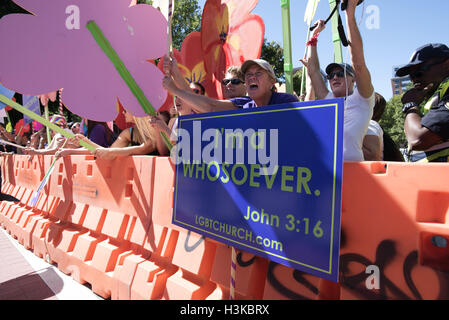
(53, 49)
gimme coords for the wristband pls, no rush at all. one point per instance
(313, 41)
(412, 110)
(408, 106)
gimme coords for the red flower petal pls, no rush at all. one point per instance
(225, 29)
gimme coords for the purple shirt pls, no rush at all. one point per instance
(99, 136)
(276, 98)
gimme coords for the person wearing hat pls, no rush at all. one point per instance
(429, 71)
(260, 83)
(353, 82)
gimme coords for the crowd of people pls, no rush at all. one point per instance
(253, 84)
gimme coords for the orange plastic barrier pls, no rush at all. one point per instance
(108, 223)
(395, 216)
(108, 215)
(90, 214)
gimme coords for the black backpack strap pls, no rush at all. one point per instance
(341, 29)
(341, 32)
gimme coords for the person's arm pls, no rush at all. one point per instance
(7, 135)
(199, 103)
(161, 127)
(313, 66)
(56, 143)
(310, 93)
(362, 74)
(112, 153)
(123, 140)
(171, 67)
(68, 152)
(418, 136)
(372, 148)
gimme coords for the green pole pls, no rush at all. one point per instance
(48, 129)
(287, 42)
(338, 52)
(105, 45)
(42, 120)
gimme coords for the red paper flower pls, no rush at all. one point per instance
(191, 64)
(230, 34)
(21, 127)
(9, 108)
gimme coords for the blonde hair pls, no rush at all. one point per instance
(144, 129)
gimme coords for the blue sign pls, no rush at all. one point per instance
(32, 104)
(265, 180)
(7, 93)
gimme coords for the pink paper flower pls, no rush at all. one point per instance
(53, 49)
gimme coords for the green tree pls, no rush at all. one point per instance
(297, 82)
(186, 19)
(392, 121)
(273, 53)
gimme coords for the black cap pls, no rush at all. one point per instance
(348, 67)
(423, 54)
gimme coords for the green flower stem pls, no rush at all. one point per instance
(105, 45)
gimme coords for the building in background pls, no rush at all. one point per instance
(399, 84)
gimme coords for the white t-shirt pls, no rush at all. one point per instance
(357, 115)
(374, 129)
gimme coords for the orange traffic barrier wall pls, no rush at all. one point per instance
(108, 223)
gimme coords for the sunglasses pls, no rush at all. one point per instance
(339, 74)
(423, 69)
(232, 81)
(196, 91)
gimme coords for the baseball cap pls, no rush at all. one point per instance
(261, 63)
(348, 67)
(423, 54)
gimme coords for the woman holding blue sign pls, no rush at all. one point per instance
(260, 84)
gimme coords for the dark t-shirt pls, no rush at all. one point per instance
(437, 119)
(280, 98)
(99, 136)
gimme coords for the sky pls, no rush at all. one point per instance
(403, 26)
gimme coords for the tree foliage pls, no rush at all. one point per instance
(274, 54)
(392, 121)
(297, 82)
(186, 19)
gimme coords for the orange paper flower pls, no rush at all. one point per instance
(230, 34)
(191, 64)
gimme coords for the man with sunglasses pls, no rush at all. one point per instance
(342, 78)
(429, 71)
(233, 83)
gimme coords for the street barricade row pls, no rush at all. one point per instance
(108, 223)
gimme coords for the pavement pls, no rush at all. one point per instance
(24, 276)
